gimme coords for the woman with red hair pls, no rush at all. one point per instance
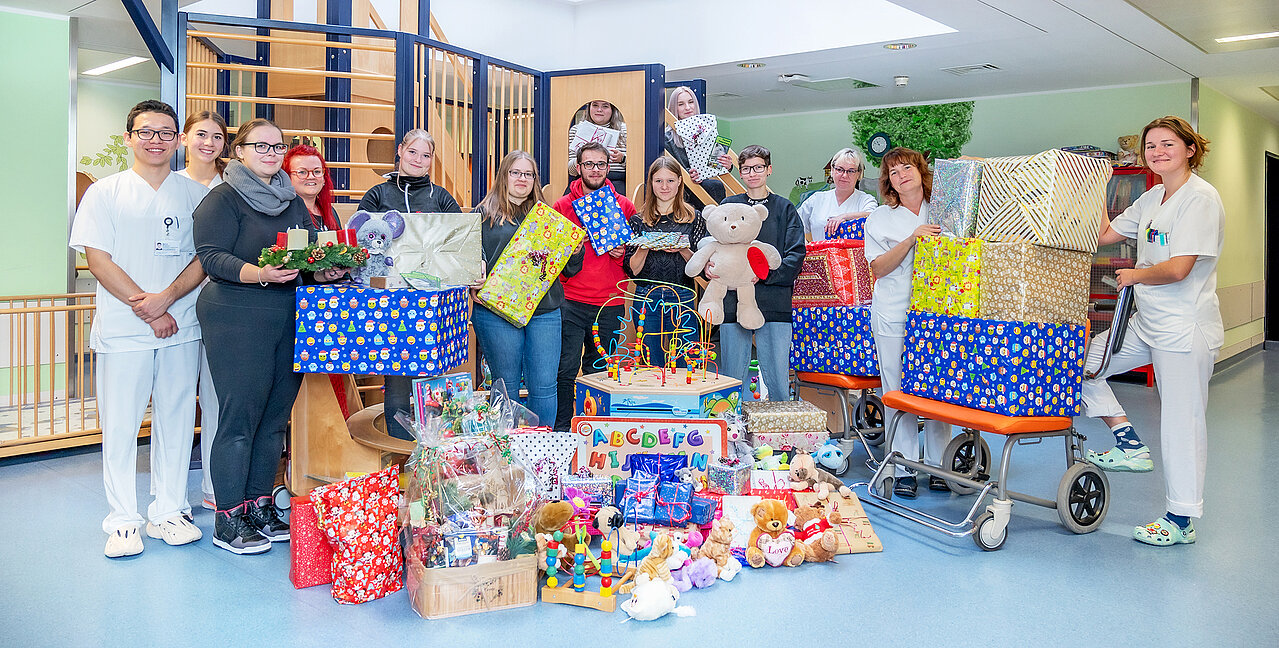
(311, 181)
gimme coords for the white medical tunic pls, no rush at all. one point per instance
(885, 228)
(822, 206)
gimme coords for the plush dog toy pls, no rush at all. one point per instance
(805, 476)
(375, 234)
(770, 543)
(653, 599)
(736, 259)
(815, 534)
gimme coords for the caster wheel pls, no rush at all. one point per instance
(283, 499)
(985, 535)
(1083, 498)
(885, 488)
(868, 413)
(960, 457)
(844, 465)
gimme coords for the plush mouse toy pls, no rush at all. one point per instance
(736, 259)
(375, 232)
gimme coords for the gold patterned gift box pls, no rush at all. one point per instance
(767, 417)
(1052, 198)
(1018, 282)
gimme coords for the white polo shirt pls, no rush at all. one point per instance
(1190, 223)
(148, 234)
(885, 228)
(821, 207)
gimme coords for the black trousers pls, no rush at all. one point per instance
(577, 351)
(398, 396)
(248, 333)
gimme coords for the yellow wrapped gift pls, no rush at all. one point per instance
(947, 278)
(531, 262)
(1053, 198)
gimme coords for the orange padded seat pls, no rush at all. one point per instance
(974, 418)
(839, 380)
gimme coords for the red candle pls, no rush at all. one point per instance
(351, 237)
(342, 236)
(282, 239)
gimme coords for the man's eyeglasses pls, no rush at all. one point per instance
(515, 173)
(843, 171)
(593, 165)
(751, 170)
(147, 134)
(264, 147)
(302, 174)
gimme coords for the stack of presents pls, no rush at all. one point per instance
(830, 311)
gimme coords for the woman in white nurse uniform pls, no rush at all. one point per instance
(825, 210)
(1178, 226)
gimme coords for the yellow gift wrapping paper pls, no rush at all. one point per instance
(948, 273)
(531, 262)
(1052, 198)
(1022, 282)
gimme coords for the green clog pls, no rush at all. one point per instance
(1162, 533)
(1136, 460)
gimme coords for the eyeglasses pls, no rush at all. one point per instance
(515, 173)
(593, 165)
(750, 170)
(147, 134)
(265, 147)
(314, 173)
(843, 171)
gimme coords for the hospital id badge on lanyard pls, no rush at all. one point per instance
(169, 244)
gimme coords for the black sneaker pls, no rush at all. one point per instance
(905, 487)
(265, 517)
(937, 484)
(233, 531)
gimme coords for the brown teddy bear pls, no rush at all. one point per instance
(815, 534)
(1128, 149)
(770, 543)
(737, 260)
(547, 519)
(806, 476)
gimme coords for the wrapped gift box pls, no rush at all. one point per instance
(1012, 368)
(699, 134)
(833, 340)
(674, 503)
(310, 554)
(531, 262)
(346, 328)
(772, 484)
(805, 442)
(1001, 281)
(440, 247)
(1052, 198)
(728, 480)
(851, 229)
(602, 217)
(953, 204)
(835, 273)
(639, 500)
(790, 417)
(703, 509)
(848, 519)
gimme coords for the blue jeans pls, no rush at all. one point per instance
(532, 352)
(656, 321)
(772, 345)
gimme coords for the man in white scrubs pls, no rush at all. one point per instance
(135, 229)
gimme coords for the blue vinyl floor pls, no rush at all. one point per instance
(1046, 587)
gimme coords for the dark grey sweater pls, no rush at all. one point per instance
(229, 233)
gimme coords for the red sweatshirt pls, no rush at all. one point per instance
(597, 281)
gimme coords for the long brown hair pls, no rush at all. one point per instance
(194, 118)
(1182, 129)
(682, 212)
(497, 205)
(903, 155)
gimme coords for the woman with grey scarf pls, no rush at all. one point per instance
(247, 317)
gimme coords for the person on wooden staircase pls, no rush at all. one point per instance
(683, 104)
(135, 228)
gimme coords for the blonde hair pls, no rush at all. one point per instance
(1182, 129)
(670, 105)
(682, 212)
(497, 205)
(413, 136)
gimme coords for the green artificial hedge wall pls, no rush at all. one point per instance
(939, 131)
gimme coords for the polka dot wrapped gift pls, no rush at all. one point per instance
(835, 339)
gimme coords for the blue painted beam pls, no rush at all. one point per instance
(405, 116)
(479, 130)
(338, 59)
(150, 33)
(261, 87)
(542, 124)
(423, 18)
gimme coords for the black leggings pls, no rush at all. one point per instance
(248, 333)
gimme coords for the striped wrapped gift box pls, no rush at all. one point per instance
(1053, 198)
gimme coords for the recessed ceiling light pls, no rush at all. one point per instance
(898, 46)
(1248, 37)
(118, 65)
(750, 65)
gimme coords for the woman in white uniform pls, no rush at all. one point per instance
(825, 210)
(891, 232)
(1178, 226)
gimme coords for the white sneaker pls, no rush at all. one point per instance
(175, 532)
(124, 542)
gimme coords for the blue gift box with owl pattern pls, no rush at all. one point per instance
(1011, 368)
(345, 328)
(833, 339)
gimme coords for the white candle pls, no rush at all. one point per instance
(298, 239)
(322, 238)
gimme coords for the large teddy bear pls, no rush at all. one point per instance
(736, 259)
(770, 543)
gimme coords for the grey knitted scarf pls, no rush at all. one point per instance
(270, 199)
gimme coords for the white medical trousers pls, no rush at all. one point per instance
(1182, 379)
(126, 381)
(208, 422)
(905, 438)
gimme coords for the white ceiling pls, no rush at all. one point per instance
(1039, 45)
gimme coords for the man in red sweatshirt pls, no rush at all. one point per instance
(586, 291)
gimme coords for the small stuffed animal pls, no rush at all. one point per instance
(375, 234)
(702, 573)
(685, 476)
(737, 259)
(653, 599)
(814, 532)
(805, 476)
(737, 447)
(551, 517)
(770, 543)
(627, 540)
(766, 460)
(680, 578)
(830, 455)
(654, 564)
(1128, 149)
(693, 539)
(718, 545)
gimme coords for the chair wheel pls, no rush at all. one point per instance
(959, 457)
(868, 414)
(886, 487)
(1083, 498)
(844, 465)
(985, 534)
(282, 498)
